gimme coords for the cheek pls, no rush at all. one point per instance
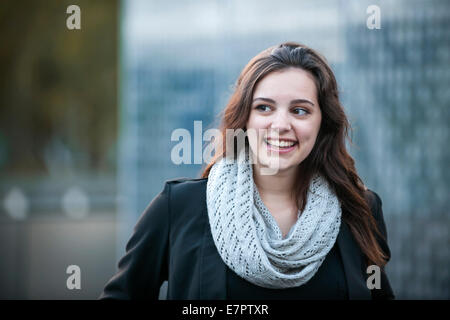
(250, 125)
(257, 126)
(307, 133)
(256, 122)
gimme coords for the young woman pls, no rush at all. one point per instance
(282, 216)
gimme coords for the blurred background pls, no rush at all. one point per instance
(86, 118)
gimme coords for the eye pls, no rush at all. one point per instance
(299, 111)
(263, 107)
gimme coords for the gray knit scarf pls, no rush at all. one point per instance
(249, 239)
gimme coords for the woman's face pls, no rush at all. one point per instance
(285, 106)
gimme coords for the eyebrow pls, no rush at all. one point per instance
(292, 102)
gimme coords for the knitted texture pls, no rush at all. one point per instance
(249, 239)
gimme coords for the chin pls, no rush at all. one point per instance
(286, 167)
(282, 165)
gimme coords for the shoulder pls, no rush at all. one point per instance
(187, 181)
(186, 186)
(179, 190)
(375, 203)
(178, 195)
(185, 191)
(186, 202)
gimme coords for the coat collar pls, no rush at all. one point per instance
(213, 275)
(352, 260)
(213, 270)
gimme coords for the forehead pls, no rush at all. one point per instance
(292, 83)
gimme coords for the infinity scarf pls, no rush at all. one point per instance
(249, 239)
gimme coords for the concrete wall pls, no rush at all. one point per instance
(36, 253)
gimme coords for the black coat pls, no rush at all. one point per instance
(172, 241)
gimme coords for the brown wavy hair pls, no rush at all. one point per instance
(328, 157)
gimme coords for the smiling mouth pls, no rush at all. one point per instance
(281, 144)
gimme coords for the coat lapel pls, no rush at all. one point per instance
(352, 261)
(212, 268)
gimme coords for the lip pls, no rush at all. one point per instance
(283, 150)
(281, 139)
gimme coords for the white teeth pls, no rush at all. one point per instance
(278, 143)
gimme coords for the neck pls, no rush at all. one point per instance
(278, 186)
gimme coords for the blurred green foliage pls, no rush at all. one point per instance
(58, 87)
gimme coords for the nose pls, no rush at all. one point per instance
(281, 122)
